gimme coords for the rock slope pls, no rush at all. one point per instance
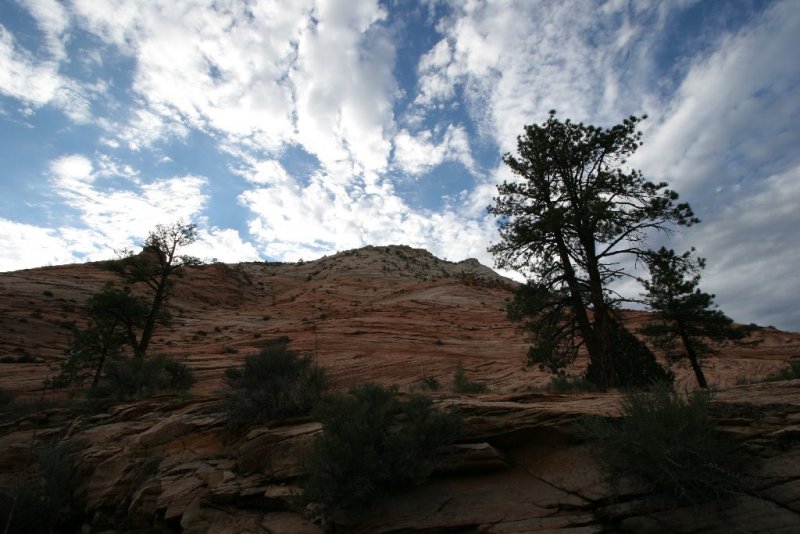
(386, 314)
(522, 466)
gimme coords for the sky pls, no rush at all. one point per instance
(292, 130)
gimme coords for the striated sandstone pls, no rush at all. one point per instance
(393, 315)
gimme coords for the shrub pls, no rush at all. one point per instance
(461, 384)
(38, 501)
(562, 383)
(426, 383)
(667, 440)
(790, 372)
(142, 376)
(374, 443)
(273, 384)
(635, 364)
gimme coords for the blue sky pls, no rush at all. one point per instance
(291, 130)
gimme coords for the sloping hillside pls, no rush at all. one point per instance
(389, 314)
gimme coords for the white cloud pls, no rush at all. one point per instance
(232, 64)
(25, 246)
(118, 216)
(38, 83)
(53, 20)
(418, 153)
(331, 214)
(344, 86)
(224, 245)
(728, 145)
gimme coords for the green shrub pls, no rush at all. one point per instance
(139, 377)
(790, 372)
(274, 383)
(667, 440)
(374, 443)
(38, 501)
(426, 383)
(461, 384)
(635, 364)
(562, 383)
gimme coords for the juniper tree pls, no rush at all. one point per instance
(155, 267)
(573, 214)
(685, 318)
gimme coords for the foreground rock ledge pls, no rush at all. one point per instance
(522, 467)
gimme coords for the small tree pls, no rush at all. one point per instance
(575, 212)
(154, 267)
(115, 315)
(119, 317)
(685, 318)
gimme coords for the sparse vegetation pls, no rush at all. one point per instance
(374, 443)
(22, 358)
(667, 440)
(790, 372)
(6, 398)
(426, 383)
(38, 500)
(128, 378)
(275, 383)
(461, 384)
(563, 383)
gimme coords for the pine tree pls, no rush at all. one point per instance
(685, 318)
(574, 213)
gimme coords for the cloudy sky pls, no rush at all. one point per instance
(291, 130)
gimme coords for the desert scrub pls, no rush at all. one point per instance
(374, 443)
(461, 384)
(668, 441)
(790, 372)
(38, 499)
(273, 384)
(562, 383)
(134, 377)
(426, 383)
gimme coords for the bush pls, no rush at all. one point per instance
(38, 501)
(461, 384)
(138, 377)
(426, 383)
(668, 441)
(562, 383)
(790, 372)
(374, 443)
(273, 384)
(635, 364)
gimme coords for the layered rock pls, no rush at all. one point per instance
(522, 466)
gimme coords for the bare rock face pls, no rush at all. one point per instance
(385, 314)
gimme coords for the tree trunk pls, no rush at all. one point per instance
(601, 316)
(692, 354)
(579, 308)
(150, 323)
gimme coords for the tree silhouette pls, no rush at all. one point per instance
(155, 267)
(573, 214)
(685, 318)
